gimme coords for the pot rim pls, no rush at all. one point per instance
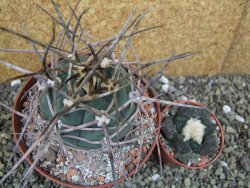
(23, 148)
(220, 131)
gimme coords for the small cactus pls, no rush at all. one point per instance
(184, 147)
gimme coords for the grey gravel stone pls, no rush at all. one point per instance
(213, 91)
(230, 129)
(245, 163)
(187, 182)
(240, 183)
(248, 143)
(219, 171)
(242, 176)
(222, 176)
(230, 116)
(212, 181)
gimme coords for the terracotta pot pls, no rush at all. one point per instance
(168, 158)
(16, 127)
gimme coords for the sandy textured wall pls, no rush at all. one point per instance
(193, 25)
(238, 56)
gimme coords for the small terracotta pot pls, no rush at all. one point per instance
(168, 158)
(16, 127)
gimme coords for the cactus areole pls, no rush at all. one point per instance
(92, 134)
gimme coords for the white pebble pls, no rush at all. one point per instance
(240, 118)
(184, 98)
(152, 110)
(223, 163)
(15, 82)
(155, 177)
(164, 80)
(226, 109)
(165, 87)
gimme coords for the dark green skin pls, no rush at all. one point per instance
(83, 116)
(175, 137)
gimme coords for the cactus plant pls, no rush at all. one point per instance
(191, 132)
(81, 117)
(86, 99)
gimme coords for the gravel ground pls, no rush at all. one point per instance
(230, 170)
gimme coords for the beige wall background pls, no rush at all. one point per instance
(219, 29)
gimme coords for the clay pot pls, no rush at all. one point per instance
(16, 127)
(168, 158)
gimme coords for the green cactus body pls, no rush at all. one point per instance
(81, 117)
(185, 149)
(180, 122)
(194, 146)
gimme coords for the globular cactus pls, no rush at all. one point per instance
(184, 148)
(84, 116)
